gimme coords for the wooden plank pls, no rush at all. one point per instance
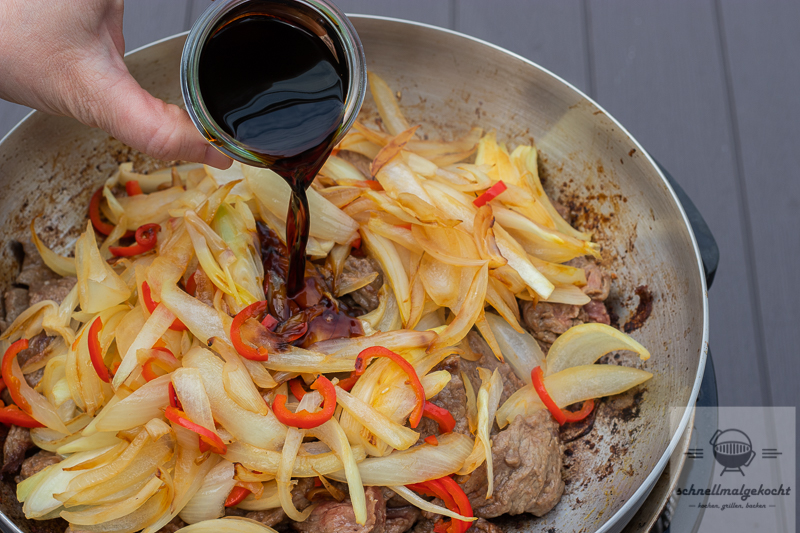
(549, 33)
(764, 76)
(436, 12)
(659, 71)
(146, 21)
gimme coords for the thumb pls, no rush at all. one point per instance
(160, 130)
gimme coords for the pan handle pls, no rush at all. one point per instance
(705, 240)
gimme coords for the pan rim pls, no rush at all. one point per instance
(634, 502)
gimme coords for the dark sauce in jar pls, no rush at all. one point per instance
(273, 76)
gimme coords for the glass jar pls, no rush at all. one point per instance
(202, 29)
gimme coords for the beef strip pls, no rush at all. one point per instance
(38, 349)
(400, 519)
(52, 289)
(358, 267)
(34, 272)
(272, 517)
(36, 463)
(173, 526)
(17, 443)
(526, 458)
(511, 382)
(596, 312)
(598, 281)
(339, 517)
(16, 301)
(452, 397)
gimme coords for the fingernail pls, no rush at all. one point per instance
(216, 159)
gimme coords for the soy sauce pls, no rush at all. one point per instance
(273, 76)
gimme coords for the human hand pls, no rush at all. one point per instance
(65, 58)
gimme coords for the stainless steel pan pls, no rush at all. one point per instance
(449, 82)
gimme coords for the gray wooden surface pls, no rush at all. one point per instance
(710, 87)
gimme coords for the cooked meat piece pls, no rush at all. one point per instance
(51, 289)
(36, 463)
(596, 312)
(400, 519)
(526, 457)
(16, 301)
(273, 517)
(38, 350)
(424, 526)
(358, 267)
(453, 398)
(339, 517)
(34, 272)
(33, 378)
(484, 526)
(547, 321)
(511, 382)
(562, 210)
(598, 281)
(17, 443)
(173, 526)
(234, 511)
(205, 289)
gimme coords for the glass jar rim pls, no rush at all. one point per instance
(190, 62)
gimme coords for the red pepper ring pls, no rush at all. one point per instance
(303, 419)
(580, 414)
(162, 358)
(490, 194)
(348, 383)
(96, 351)
(191, 284)
(248, 351)
(147, 297)
(94, 214)
(297, 388)
(561, 416)
(379, 351)
(461, 500)
(10, 380)
(146, 239)
(440, 415)
(208, 437)
(133, 188)
(236, 496)
(432, 440)
(12, 415)
(173, 398)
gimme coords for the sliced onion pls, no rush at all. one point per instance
(573, 385)
(470, 311)
(488, 401)
(556, 273)
(209, 501)
(415, 465)
(586, 343)
(518, 260)
(50, 439)
(229, 524)
(387, 105)
(384, 251)
(395, 435)
(63, 266)
(102, 513)
(192, 395)
(92, 442)
(267, 461)
(41, 410)
(520, 350)
(567, 294)
(263, 431)
(203, 321)
(99, 287)
(400, 340)
(417, 501)
(236, 379)
(145, 403)
(472, 403)
(268, 500)
(149, 208)
(154, 327)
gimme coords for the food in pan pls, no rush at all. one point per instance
(451, 320)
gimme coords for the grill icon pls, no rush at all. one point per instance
(733, 450)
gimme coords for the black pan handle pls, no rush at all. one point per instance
(709, 251)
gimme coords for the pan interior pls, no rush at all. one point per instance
(449, 83)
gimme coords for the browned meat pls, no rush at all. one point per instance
(173, 526)
(358, 267)
(598, 281)
(16, 301)
(34, 272)
(526, 457)
(39, 349)
(205, 289)
(17, 443)
(547, 321)
(453, 398)
(511, 382)
(338, 517)
(51, 289)
(36, 463)
(596, 312)
(484, 526)
(400, 519)
(273, 517)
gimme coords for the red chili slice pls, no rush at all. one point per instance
(96, 351)
(173, 397)
(296, 387)
(432, 440)
(147, 297)
(146, 239)
(348, 383)
(248, 351)
(461, 499)
(133, 188)
(379, 351)
(94, 214)
(236, 496)
(561, 416)
(490, 194)
(208, 437)
(191, 284)
(303, 419)
(162, 358)
(10, 380)
(12, 415)
(583, 412)
(440, 415)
